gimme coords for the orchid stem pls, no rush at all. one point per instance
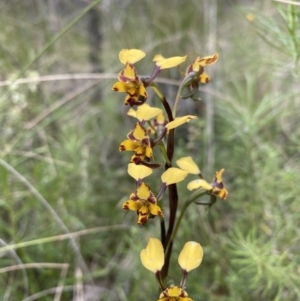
(164, 152)
(183, 84)
(190, 200)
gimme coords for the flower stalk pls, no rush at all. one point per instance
(155, 128)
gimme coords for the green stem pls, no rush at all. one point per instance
(157, 91)
(190, 200)
(164, 102)
(183, 84)
(177, 101)
(164, 152)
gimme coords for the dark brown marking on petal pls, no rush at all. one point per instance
(115, 89)
(146, 141)
(134, 197)
(137, 160)
(122, 148)
(143, 220)
(152, 198)
(130, 136)
(131, 101)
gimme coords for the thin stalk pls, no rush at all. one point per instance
(164, 152)
(164, 102)
(190, 200)
(177, 99)
(186, 81)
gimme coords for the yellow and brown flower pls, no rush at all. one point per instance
(216, 187)
(139, 142)
(130, 83)
(198, 67)
(144, 202)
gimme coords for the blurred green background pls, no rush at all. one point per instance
(61, 125)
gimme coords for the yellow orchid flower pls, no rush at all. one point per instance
(173, 175)
(152, 257)
(179, 121)
(138, 172)
(144, 202)
(198, 67)
(131, 55)
(130, 83)
(164, 63)
(144, 112)
(139, 142)
(216, 187)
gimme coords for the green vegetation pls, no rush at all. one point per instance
(61, 172)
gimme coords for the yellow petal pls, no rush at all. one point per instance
(143, 191)
(128, 145)
(152, 257)
(120, 87)
(142, 90)
(221, 193)
(132, 205)
(149, 152)
(218, 176)
(188, 164)
(179, 121)
(160, 118)
(191, 256)
(173, 175)
(158, 58)
(128, 73)
(139, 133)
(155, 210)
(195, 65)
(131, 55)
(131, 112)
(207, 60)
(145, 112)
(204, 78)
(199, 184)
(138, 171)
(170, 62)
